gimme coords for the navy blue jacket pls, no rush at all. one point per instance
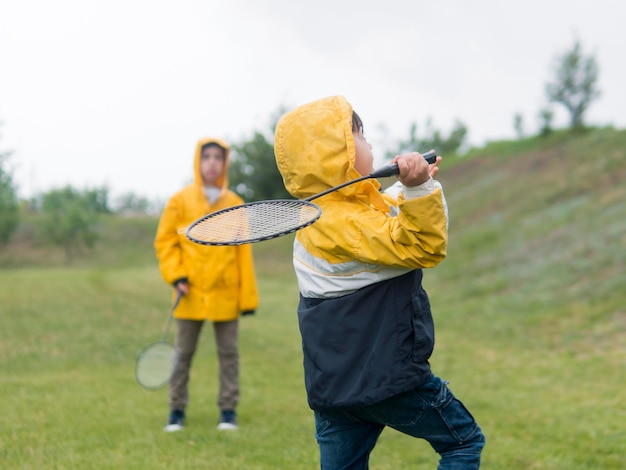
(366, 346)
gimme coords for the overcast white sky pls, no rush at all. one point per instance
(117, 92)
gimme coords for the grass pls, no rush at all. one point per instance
(529, 306)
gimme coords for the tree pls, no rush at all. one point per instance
(253, 172)
(545, 121)
(69, 219)
(132, 203)
(9, 207)
(574, 85)
(518, 125)
(98, 199)
(433, 139)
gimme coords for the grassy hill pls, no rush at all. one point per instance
(537, 260)
(541, 221)
(530, 307)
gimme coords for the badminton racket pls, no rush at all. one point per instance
(153, 367)
(262, 220)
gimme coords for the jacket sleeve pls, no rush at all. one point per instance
(248, 293)
(417, 237)
(167, 243)
(413, 236)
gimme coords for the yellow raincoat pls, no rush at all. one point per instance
(222, 283)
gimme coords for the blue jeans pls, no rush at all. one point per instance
(430, 412)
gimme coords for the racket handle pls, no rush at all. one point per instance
(430, 156)
(390, 170)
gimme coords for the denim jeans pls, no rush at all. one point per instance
(430, 412)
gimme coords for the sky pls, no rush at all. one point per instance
(116, 93)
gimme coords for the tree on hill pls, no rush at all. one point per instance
(9, 208)
(574, 84)
(431, 139)
(132, 203)
(518, 125)
(70, 216)
(545, 121)
(253, 172)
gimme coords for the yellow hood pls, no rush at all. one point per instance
(315, 150)
(222, 181)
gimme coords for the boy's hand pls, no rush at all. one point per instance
(182, 285)
(414, 170)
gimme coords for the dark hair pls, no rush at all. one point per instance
(212, 144)
(357, 124)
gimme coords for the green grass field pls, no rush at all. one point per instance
(530, 308)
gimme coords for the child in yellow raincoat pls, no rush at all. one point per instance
(365, 319)
(218, 282)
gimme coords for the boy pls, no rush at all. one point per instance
(365, 320)
(218, 283)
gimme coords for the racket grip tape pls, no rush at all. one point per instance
(390, 170)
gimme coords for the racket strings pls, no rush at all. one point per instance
(154, 364)
(254, 221)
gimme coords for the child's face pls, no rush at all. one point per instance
(364, 160)
(211, 165)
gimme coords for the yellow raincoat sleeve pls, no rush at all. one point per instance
(415, 238)
(167, 243)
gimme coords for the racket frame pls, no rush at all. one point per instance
(317, 212)
(162, 341)
(146, 353)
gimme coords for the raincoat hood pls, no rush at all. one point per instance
(315, 150)
(222, 181)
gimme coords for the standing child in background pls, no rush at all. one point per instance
(365, 320)
(218, 283)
